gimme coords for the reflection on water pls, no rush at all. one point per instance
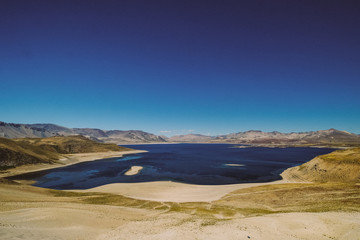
(188, 163)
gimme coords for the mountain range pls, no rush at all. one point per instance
(330, 137)
(11, 130)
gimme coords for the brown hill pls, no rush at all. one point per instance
(13, 130)
(190, 138)
(41, 130)
(338, 166)
(330, 137)
(15, 152)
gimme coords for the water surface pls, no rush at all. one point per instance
(188, 163)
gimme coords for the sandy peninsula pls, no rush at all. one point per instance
(168, 191)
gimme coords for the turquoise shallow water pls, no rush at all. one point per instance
(188, 163)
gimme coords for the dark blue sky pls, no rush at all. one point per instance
(174, 67)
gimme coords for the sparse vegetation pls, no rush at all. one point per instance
(347, 156)
(15, 152)
(338, 166)
(253, 201)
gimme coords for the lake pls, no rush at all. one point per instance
(209, 164)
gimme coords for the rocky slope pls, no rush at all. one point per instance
(338, 166)
(53, 128)
(10, 130)
(322, 137)
(120, 137)
(15, 152)
(331, 137)
(190, 138)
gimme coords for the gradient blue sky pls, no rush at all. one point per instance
(175, 67)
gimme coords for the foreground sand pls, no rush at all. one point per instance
(78, 221)
(32, 213)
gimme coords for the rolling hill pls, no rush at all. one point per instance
(193, 138)
(16, 152)
(338, 166)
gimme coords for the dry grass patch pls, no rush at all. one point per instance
(296, 198)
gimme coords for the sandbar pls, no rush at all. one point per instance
(234, 165)
(133, 170)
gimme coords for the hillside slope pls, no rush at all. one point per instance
(338, 166)
(330, 137)
(190, 138)
(16, 152)
(41, 130)
(119, 136)
(12, 130)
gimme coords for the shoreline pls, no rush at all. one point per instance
(160, 191)
(169, 191)
(69, 159)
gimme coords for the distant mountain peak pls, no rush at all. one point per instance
(256, 137)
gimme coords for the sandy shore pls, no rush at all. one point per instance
(167, 191)
(29, 213)
(68, 159)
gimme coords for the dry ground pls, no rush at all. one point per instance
(281, 211)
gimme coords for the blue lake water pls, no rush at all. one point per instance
(187, 163)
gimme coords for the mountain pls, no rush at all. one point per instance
(60, 130)
(90, 132)
(330, 137)
(190, 138)
(321, 137)
(11, 130)
(134, 136)
(20, 151)
(119, 136)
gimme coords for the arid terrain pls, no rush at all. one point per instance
(304, 205)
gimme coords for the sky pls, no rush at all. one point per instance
(177, 67)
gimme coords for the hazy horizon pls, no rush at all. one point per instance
(173, 68)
